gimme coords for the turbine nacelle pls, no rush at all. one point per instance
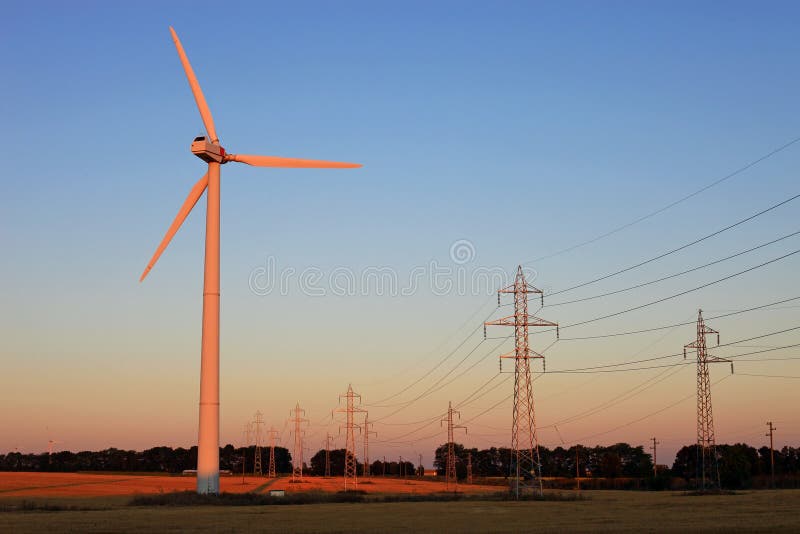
(208, 151)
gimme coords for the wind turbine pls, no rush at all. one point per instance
(209, 150)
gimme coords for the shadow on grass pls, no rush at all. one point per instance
(31, 506)
(190, 498)
(701, 493)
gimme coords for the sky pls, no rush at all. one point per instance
(491, 135)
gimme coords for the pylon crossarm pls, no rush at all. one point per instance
(511, 320)
(529, 354)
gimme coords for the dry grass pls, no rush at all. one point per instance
(604, 511)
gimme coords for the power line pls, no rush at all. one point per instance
(630, 332)
(675, 275)
(767, 376)
(450, 354)
(670, 205)
(654, 358)
(682, 247)
(664, 299)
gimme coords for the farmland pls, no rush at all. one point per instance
(100, 503)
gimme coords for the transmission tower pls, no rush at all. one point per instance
(273, 436)
(297, 454)
(258, 422)
(450, 469)
(367, 432)
(706, 446)
(654, 448)
(524, 441)
(469, 468)
(326, 444)
(246, 433)
(350, 463)
(421, 472)
(771, 454)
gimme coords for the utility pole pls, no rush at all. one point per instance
(577, 467)
(367, 432)
(706, 444)
(771, 454)
(328, 439)
(450, 470)
(469, 468)
(421, 468)
(655, 456)
(297, 454)
(273, 436)
(246, 438)
(384, 466)
(524, 441)
(258, 422)
(350, 462)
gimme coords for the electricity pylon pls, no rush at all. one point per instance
(297, 454)
(350, 409)
(273, 436)
(258, 422)
(654, 448)
(327, 445)
(706, 445)
(246, 433)
(771, 454)
(450, 469)
(524, 441)
(469, 468)
(367, 432)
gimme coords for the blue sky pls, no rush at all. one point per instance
(521, 127)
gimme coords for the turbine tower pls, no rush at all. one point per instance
(208, 149)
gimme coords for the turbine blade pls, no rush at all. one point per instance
(275, 161)
(205, 113)
(188, 204)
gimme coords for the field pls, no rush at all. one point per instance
(99, 503)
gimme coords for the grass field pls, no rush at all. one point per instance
(608, 511)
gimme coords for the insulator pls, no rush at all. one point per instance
(556, 331)
(544, 365)
(718, 339)
(542, 295)
(684, 353)
(731, 367)
(498, 299)
(484, 331)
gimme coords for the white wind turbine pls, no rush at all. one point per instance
(209, 150)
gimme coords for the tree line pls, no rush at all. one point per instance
(739, 464)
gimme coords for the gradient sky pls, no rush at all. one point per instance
(521, 127)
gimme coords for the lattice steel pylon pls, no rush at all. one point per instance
(469, 468)
(297, 453)
(273, 437)
(367, 432)
(706, 446)
(326, 444)
(258, 422)
(450, 464)
(350, 462)
(246, 433)
(526, 463)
